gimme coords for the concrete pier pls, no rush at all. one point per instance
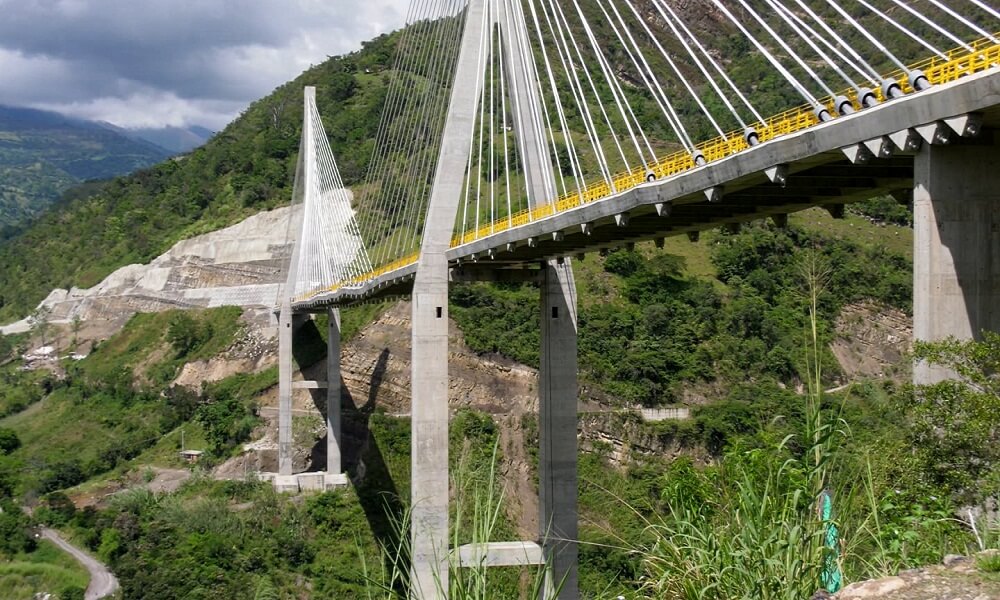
(286, 335)
(557, 420)
(429, 422)
(956, 244)
(334, 427)
(557, 376)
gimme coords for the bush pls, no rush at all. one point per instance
(185, 334)
(15, 532)
(72, 592)
(9, 441)
(63, 475)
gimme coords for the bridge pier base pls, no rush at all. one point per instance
(956, 245)
(557, 425)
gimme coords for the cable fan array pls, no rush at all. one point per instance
(328, 247)
(583, 99)
(407, 144)
(616, 115)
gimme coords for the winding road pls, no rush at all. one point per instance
(102, 582)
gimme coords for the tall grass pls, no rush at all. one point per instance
(478, 519)
(46, 569)
(760, 535)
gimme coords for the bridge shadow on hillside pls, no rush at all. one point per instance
(365, 437)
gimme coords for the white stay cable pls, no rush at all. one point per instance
(503, 122)
(767, 54)
(420, 172)
(597, 96)
(347, 257)
(522, 103)
(395, 99)
(930, 23)
(412, 105)
(560, 112)
(708, 56)
(697, 61)
(676, 70)
(493, 164)
(781, 10)
(916, 38)
(986, 8)
(293, 232)
(792, 53)
(544, 133)
(979, 30)
(858, 66)
(652, 83)
(569, 68)
(867, 72)
(617, 93)
(871, 38)
(480, 65)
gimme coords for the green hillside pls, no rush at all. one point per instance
(42, 154)
(736, 327)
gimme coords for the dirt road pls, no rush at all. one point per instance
(102, 582)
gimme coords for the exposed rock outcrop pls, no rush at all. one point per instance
(239, 265)
(958, 578)
(872, 340)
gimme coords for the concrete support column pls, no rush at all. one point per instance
(429, 431)
(557, 422)
(956, 245)
(334, 427)
(286, 333)
(429, 363)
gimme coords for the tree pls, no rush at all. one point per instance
(75, 326)
(39, 321)
(15, 534)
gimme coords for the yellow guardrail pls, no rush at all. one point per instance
(958, 63)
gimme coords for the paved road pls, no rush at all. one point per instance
(102, 582)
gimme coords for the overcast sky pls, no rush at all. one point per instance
(150, 63)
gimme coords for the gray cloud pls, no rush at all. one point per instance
(172, 62)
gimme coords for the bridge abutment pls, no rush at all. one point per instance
(956, 245)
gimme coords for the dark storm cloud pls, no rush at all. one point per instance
(155, 62)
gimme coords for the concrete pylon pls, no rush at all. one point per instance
(334, 425)
(429, 412)
(557, 386)
(956, 244)
(288, 322)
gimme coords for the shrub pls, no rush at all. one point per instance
(9, 441)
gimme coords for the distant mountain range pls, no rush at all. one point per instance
(174, 139)
(42, 154)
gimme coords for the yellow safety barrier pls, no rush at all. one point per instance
(959, 62)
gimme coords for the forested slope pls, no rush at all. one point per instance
(42, 154)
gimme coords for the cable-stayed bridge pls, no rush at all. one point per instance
(518, 134)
